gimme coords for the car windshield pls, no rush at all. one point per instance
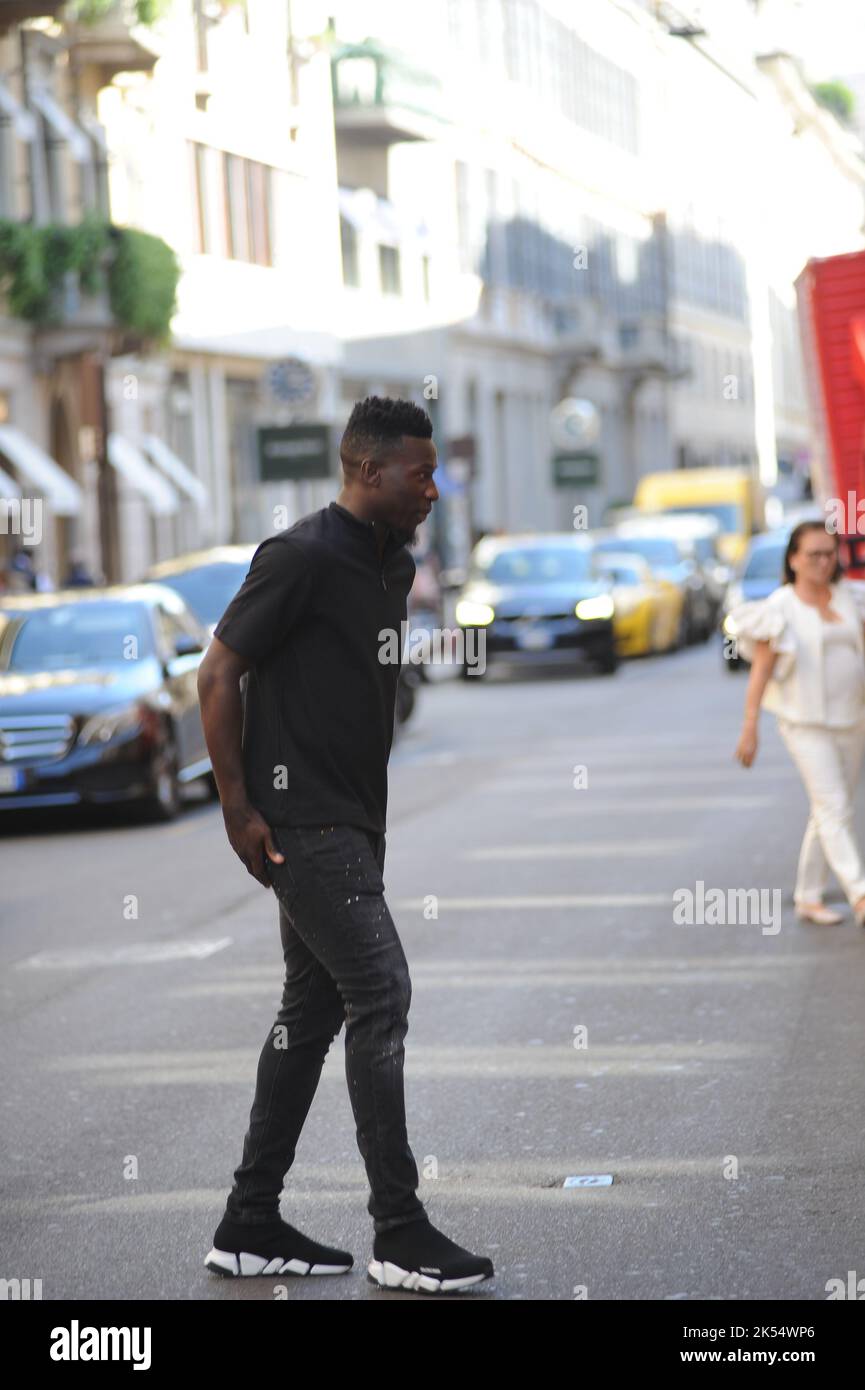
(729, 514)
(536, 565)
(74, 635)
(656, 549)
(765, 563)
(209, 589)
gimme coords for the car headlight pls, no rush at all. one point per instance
(600, 607)
(730, 627)
(109, 724)
(469, 614)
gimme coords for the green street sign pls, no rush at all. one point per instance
(576, 468)
(289, 452)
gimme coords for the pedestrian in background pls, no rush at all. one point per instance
(806, 646)
(78, 575)
(21, 572)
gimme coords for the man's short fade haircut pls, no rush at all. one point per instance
(378, 423)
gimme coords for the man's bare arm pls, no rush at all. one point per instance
(219, 676)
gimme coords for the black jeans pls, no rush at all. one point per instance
(343, 962)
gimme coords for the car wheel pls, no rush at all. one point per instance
(164, 803)
(213, 789)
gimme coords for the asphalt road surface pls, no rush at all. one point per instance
(564, 1023)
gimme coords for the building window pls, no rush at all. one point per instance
(259, 202)
(202, 241)
(388, 261)
(247, 188)
(202, 24)
(236, 220)
(57, 172)
(243, 406)
(7, 169)
(348, 242)
(247, 201)
(180, 418)
(464, 226)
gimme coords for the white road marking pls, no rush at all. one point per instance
(592, 850)
(139, 953)
(544, 901)
(582, 802)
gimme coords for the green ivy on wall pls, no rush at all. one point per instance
(140, 273)
(145, 11)
(143, 284)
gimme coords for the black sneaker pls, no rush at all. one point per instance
(274, 1248)
(417, 1257)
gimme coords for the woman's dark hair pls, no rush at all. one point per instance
(793, 545)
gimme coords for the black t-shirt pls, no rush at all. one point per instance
(320, 705)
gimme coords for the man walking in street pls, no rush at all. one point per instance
(303, 788)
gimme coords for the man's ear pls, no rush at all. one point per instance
(371, 471)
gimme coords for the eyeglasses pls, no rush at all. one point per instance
(818, 554)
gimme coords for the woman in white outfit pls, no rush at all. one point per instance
(807, 651)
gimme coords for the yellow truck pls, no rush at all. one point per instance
(733, 495)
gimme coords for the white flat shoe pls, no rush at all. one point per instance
(822, 916)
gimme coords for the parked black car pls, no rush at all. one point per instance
(207, 581)
(99, 699)
(537, 599)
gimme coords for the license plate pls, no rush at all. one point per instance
(11, 779)
(537, 638)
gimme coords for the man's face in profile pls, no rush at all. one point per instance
(408, 489)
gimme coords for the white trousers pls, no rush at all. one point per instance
(828, 761)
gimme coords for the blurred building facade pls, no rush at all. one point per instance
(488, 208)
(620, 200)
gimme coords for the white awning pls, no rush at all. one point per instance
(176, 469)
(62, 493)
(131, 464)
(63, 125)
(23, 120)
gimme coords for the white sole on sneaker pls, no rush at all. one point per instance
(246, 1265)
(391, 1276)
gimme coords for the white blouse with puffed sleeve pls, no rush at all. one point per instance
(765, 620)
(812, 654)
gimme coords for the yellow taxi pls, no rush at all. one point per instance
(648, 616)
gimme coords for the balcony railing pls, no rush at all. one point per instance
(380, 99)
(116, 42)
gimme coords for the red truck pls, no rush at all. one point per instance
(831, 300)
